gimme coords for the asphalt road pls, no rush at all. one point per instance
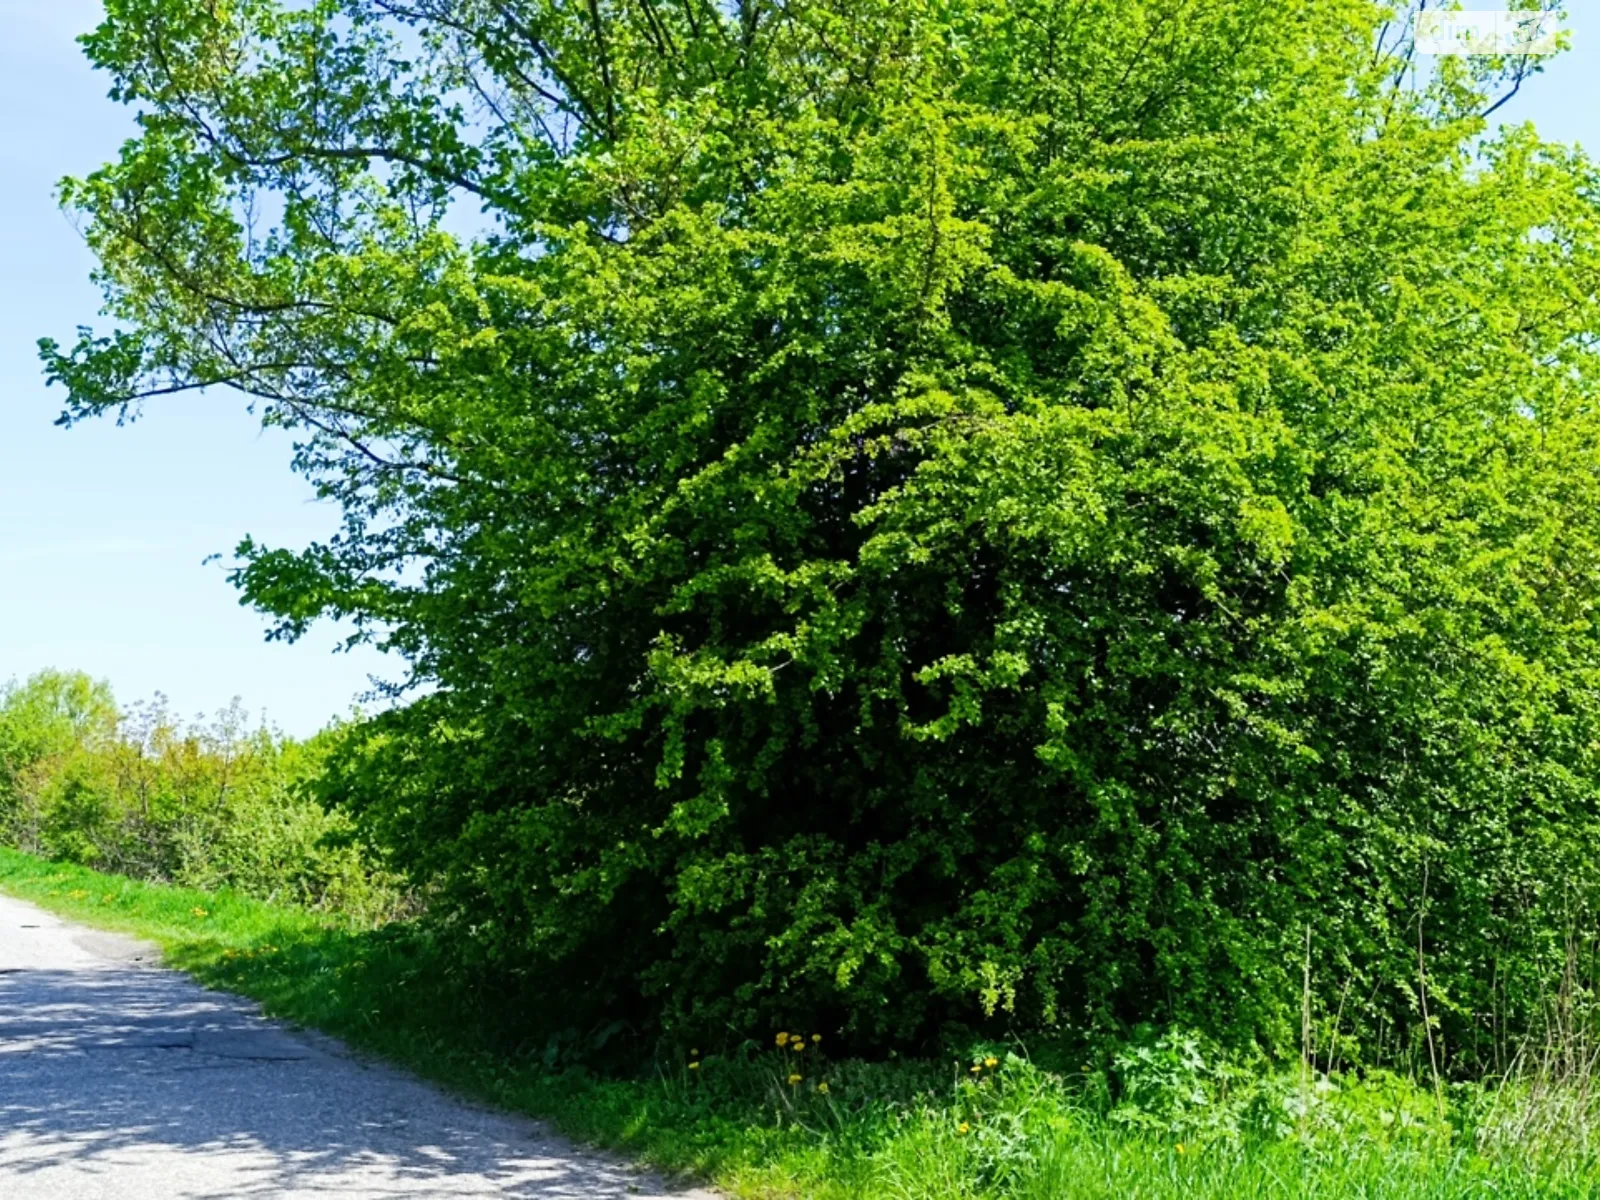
(124, 1081)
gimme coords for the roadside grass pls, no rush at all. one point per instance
(759, 1124)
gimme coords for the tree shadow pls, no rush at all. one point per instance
(120, 1074)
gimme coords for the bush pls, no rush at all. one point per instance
(986, 514)
(143, 795)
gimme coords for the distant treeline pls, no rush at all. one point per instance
(140, 792)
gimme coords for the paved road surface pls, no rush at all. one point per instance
(123, 1081)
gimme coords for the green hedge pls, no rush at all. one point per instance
(140, 794)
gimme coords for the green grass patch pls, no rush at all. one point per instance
(767, 1121)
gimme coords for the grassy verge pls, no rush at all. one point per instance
(771, 1122)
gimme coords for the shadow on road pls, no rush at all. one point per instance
(118, 1068)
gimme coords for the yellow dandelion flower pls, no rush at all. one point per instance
(963, 1129)
(783, 1039)
(794, 1079)
(199, 912)
(798, 1046)
(816, 1037)
(694, 1054)
(976, 1069)
(991, 1062)
(694, 1066)
(1180, 1147)
(823, 1087)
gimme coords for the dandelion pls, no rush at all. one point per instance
(798, 1046)
(694, 1054)
(991, 1062)
(694, 1066)
(199, 912)
(976, 1069)
(1180, 1147)
(963, 1129)
(822, 1087)
(794, 1079)
(816, 1037)
(783, 1039)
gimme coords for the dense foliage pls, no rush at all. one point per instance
(1049, 512)
(142, 794)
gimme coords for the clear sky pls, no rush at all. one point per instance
(103, 531)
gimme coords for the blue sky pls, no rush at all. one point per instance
(103, 531)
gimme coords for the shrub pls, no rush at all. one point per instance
(143, 795)
(993, 513)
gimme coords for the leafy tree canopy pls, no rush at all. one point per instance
(944, 510)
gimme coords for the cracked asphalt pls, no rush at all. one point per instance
(125, 1081)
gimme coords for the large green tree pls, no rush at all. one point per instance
(1015, 510)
